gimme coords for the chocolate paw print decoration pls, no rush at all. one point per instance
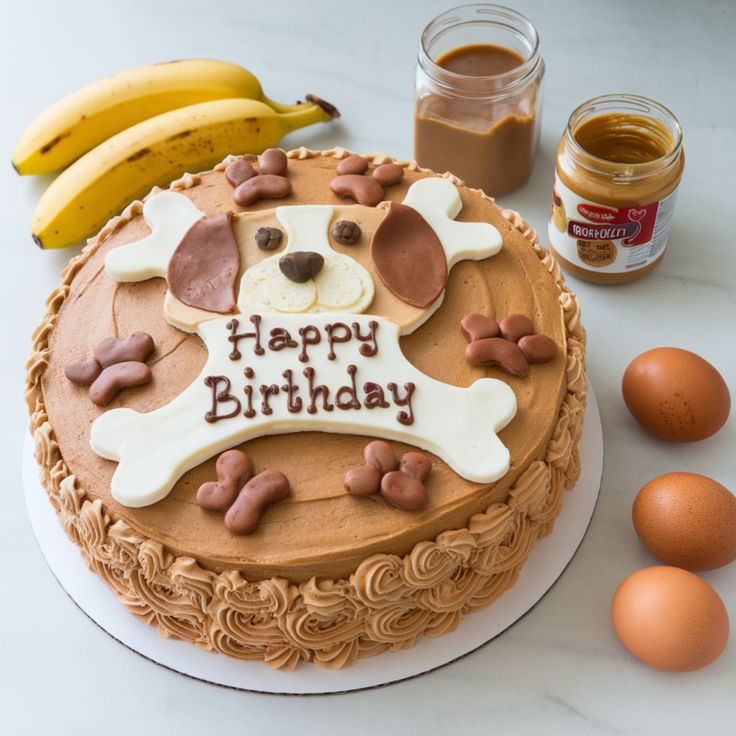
(510, 344)
(301, 348)
(117, 364)
(241, 493)
(401, 483)
(269, 182)
(368, 189)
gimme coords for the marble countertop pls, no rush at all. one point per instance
(558, 671)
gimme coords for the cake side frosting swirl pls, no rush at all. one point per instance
(389, 602)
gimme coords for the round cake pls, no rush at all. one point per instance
(299, 331)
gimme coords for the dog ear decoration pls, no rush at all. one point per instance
(405, 245)
(204, 267)
(409, 257)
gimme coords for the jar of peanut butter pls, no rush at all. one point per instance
(619, 163)
(479, 96)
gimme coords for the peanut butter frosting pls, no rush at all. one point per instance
(326, 578)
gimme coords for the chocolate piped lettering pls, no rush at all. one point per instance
(293, 402)
(337, 332)
(280, 339)
(249, 412)
(266, 392)
(316, 391)
(303, 390)
(404, 417)
(220, 397)
(310, 336)
(236, 337)
(348, 391)
(370, 348)
(374, 396)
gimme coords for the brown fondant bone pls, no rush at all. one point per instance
(409, 256)
(205, 265)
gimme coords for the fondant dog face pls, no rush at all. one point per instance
(366, 384)
(213, 265)
(341, 284)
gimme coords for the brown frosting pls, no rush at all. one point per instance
(382, 581)
(204, 267)
(409, 256)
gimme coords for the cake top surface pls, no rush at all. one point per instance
(141, 274)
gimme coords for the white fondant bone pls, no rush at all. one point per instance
(169, 215)
(155, 449)
(342, 285)
(457, 424)
(438, 201)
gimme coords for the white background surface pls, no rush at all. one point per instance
(560, 670)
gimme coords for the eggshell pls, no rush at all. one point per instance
(687, 520)
(676, 395)
(670, 619)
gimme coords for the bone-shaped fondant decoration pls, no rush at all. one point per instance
(343, 285)
(438, 201)
(169, 215)
(248, 392)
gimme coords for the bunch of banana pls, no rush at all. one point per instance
(126, 133)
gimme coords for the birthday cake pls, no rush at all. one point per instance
(309, 407)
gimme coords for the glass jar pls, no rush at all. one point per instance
(478, 97)
(619, 164)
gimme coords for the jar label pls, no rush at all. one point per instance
(607, 239)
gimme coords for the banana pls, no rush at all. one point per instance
(87, 117)
(125, 167)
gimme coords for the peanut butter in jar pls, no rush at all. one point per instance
(478, 97)
(619, 164)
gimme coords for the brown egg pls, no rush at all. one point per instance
(670, 619)
(676, 395)
(687, 520)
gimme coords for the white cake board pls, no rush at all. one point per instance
(547, 561)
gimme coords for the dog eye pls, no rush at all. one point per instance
(268, 238)
(346, 232)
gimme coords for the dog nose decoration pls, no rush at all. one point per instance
(301, 266)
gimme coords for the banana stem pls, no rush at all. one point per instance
(315, 110)
(280, 107)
